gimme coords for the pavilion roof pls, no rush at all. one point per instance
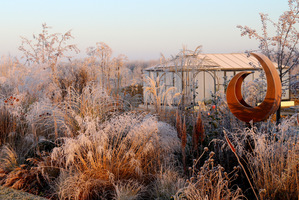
(221, 61)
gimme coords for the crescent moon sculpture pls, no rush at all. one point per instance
(237, 104)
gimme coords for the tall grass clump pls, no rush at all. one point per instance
(272, 158)
(93, 101)
(121, 149)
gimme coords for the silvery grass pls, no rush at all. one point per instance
(127, 147)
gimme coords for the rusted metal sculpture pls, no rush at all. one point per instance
(237, 104)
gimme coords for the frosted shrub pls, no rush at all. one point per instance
(123, 148)
(45, 51)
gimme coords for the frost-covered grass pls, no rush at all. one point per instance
(272, 158)
(123, 148)
(210, 181)
(74, 137)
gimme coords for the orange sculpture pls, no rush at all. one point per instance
(237, 104)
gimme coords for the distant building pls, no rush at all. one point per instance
(203, 74)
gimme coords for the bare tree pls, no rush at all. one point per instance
(282, 47)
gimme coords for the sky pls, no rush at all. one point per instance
(140, 29)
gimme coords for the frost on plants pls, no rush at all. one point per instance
(272, 159)
(123, 148)
(76, 129)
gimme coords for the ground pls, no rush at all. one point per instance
(11, 194)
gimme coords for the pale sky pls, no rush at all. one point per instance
(140, 29)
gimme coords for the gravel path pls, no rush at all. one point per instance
(11, 194)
